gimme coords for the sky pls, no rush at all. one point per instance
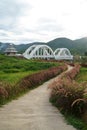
(26, 21)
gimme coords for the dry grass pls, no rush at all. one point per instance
(68, 95)
(8, 91)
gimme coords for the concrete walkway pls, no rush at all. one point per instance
(33, 111)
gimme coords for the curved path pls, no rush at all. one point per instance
(33, 111)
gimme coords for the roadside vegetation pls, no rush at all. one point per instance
(18, 75)
(68, 94)
(82, 76)
(12, 69)
(70, 97)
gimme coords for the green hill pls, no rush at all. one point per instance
(78, 46)
(61, 42)
(81, 45)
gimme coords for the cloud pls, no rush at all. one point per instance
(12, 8)
(41, 20)
(10, 12)
(45, 27)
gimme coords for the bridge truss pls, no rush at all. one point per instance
(45, 52)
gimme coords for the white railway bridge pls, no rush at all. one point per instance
(63, 54)
(45, 52)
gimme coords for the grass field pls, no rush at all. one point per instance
(72, 91)
(79, 123)
(82, 76)
(17, 75)
(13, 78)
(12, 69)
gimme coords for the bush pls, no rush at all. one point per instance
(68, 95)
(3, 93)
(84, 65)
(9, 92)
(73, 73)
(36, 79)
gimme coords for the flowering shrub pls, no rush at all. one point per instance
(71, 64)
(8, 92)
(72, 74)
(84, 65)
(3, 93)
(67, 94)
(38, 78)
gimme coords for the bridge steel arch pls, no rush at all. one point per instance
(63, 54)
(40, 52)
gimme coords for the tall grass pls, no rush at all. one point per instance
(70, 98)
(18, 76)
(12, 69)
(78, 123)
(82, 76)
(38, 78)
(9, 92)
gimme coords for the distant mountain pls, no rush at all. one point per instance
(81, 45)
(3, 46)
(61, 42)
(20, 48)
(78, 46)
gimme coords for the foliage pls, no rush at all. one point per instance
(85, 53)
(78, 123)
(78, 46)
(68, 95)
(71, 97)
(84, 59)
(82, 76)
(38, 78)
(17, 76)
(73, 73)
(12, 69)
(14, 64)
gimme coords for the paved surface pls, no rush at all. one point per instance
(33, 112)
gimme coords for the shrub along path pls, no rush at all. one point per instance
(33, 111)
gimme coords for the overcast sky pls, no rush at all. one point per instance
(25, 21)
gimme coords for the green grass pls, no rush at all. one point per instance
(78, 123)
(13, 78)
(82, 76)
(12, 69)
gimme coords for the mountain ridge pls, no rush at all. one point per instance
(78, 46)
